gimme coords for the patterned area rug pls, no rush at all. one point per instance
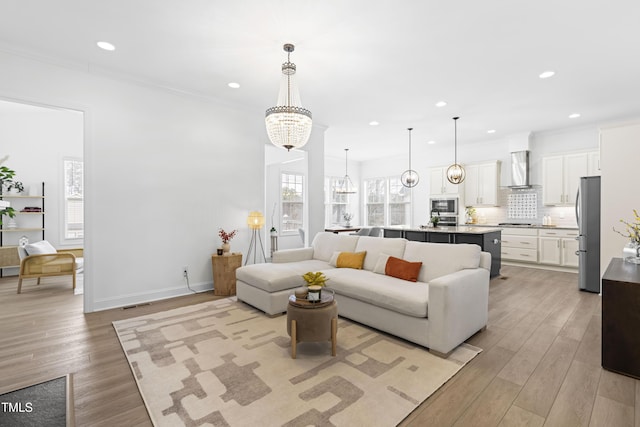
(223, 363)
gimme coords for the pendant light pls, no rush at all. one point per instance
(288, 123)
(410, 178)
(455, 172)
(347, 186)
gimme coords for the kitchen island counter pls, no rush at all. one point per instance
(488, 238)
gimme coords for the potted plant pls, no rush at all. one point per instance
(226, 237)
(6, 180)
(435, 220)
(315, 282)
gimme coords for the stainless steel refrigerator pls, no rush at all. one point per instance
(588, 217)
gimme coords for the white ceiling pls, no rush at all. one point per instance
(359, 61)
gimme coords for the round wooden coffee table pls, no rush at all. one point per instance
(312, 321)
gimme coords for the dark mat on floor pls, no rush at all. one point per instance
(43, 404)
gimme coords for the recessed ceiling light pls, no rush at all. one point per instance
(441, 104)
(374, 123)
(233, 85)
(491, 131)
(574, 115)
(431, 142)
(106, 46)
(547, 74)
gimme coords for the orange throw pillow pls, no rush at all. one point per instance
(402, 269)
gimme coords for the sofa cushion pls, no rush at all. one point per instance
(325, 244)
(278, 277)
(402, 269)
(401, 296)
(347, 260)
(440, 259)
(374, 246)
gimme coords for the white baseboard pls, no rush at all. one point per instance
(147, 297)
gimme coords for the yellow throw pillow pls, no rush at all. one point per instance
(351, 260)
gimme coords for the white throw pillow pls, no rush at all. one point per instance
(381, 264)
(39, 248)
(333, 261)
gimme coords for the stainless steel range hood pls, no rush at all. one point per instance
(520, 169)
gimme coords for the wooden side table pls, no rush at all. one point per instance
(224, 273)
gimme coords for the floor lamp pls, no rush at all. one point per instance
(255, 221)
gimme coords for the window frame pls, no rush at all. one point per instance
(302, 224)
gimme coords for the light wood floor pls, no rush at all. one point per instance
(540, 364)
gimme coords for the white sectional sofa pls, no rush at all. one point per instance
(447, 305)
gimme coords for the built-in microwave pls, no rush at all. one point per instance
(444, 206)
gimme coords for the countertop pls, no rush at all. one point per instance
(460, 229)
(534, 226)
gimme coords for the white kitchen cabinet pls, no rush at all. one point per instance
(519, 244)
(481, 184)
(561, 177)
(439, 185)
(594, 164)
(558, 247)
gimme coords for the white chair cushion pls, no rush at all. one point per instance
(40, 248)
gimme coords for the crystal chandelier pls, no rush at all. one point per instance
(455, 172)
(410, 178)
(288, 123)
(346, 187)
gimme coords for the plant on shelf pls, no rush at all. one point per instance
(6, 179)
(6, 183)
(315, 279)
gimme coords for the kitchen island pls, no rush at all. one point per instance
(488, 238)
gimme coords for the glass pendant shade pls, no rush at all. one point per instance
(455, 172)
(346, 186)
(410, 178)
(288, 123)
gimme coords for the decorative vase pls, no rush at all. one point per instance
(631, 252)
(314, 293)
(226, 248)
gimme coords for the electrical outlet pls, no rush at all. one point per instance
(185, 271)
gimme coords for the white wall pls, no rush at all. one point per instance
(619, 154)
(163, 172)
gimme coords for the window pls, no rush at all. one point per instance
(399, 202)
(292, 197)
(375, 192)
(387, 202)
(337, 204)
(73, 199)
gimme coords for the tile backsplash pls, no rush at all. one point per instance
(525, 206)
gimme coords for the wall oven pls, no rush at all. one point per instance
(446, 209)
(445, 206)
